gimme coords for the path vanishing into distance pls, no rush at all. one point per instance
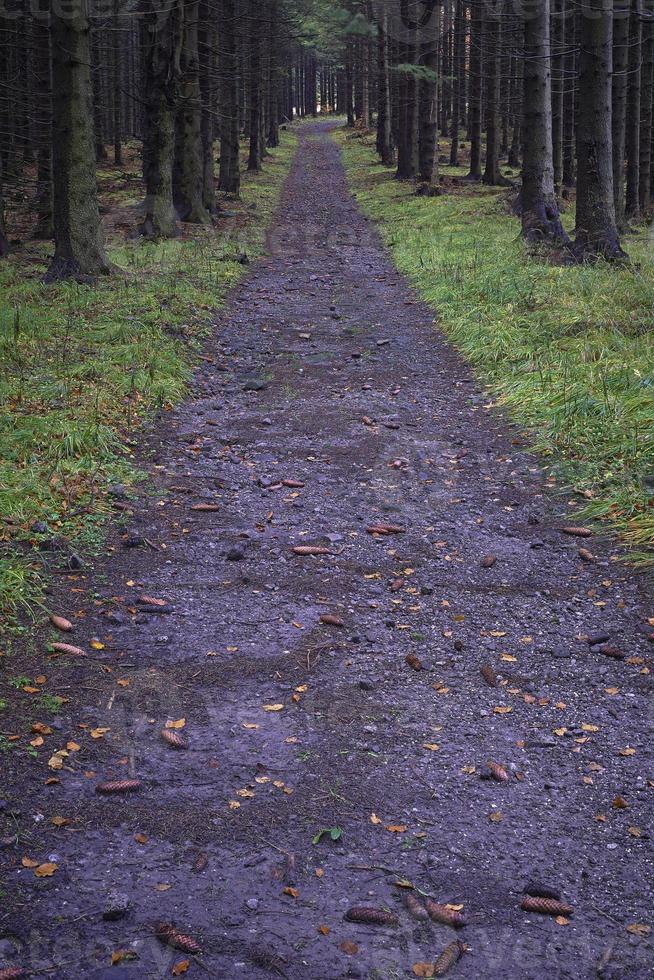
(337, 722)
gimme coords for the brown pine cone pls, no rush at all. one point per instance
(450, 955)
(545, 906)
(416, 908)
(370, 916)
(173, 738)
(119, 786)
(441, 913)
(167, 933)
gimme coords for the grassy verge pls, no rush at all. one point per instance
(81, 368)
(569, 350)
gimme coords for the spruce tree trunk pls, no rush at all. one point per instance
(349, 83)
(384, 109)
(256, 93)
(596, 231)
(79, 238)
(492, 173)
(206, 48)
(646, 83)
(428, 118)
(4, 241)
(116, 52)
(43, 195)
(570, 98)
(633, 111)
(162, 30)
(188, 170)
(558, 78)
(476, 53)
(407, 139)
(229, 179)
(540, 213)
(459, 68)
(619, 105)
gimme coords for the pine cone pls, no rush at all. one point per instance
(370, 916)
(545, 906)
(12, 973)
(174, 740)
(441, 913)
(119, 786)
(416, 908)
(489, 675)
(498, 772)
(450, 955)
(412, 661)
(168, 934)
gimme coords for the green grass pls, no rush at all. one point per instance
(569, 350)
(83, 367)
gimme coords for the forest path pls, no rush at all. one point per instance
(326, 370)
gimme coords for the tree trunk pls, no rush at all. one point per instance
(558, 80)
(43, 195)
(162, 35)
(256, 91)
(540, 213)
(619, 104)
(646, 82)
(116, 50)
(459, 68)
(570, 97)
(229, 179)
(407, 139)
(78, 233)
(492, 173)
(633, 111)
(476, 54)
(188, 179)
(596, 232)
(428, 109)
(384, 110)
(206, 47)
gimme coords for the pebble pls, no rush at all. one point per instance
(116, 905)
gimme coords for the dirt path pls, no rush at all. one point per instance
(327, 371)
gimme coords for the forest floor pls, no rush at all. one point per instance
(323, 768)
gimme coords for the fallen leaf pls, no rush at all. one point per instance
(293, 892)
(627, 751)
(432, 746)
(273, 707)
(502, 710)
(349, 948)
(141, 838)
(422, 969)
(28, 862)
(496, 816)
(59, 821)
(163, 887)
(99, 732)
(635, 831)
(46, 870)
(619, 803)
(396, 828)
(179, 723)
(639, 929)
(180, 968)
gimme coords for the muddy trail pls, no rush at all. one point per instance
(337, 723)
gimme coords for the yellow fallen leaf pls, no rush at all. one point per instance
(40, 729)
(245, 793)
(96, 645)
(374, 818)
(432, 746)
(46, 870)
(28, 862)
(234, 805)
(35, 742)
(635, 831)
(422, 969)
(293, 892)
(396, 828)
(123, 682)
(468, 770)
(59, 821)
(324, 930)
(73, 746)
(562, 921)
(273, 707)
(99, 732)
(502, 710)
(639, 929)
(627, 751)
(507, 658)
(589, 728)
(56, 761)
(141, 838)
(121, 955)
(560, 731)
(496, 816)
(179, 723)
(249, 725)
(180, 968)
(163, 887)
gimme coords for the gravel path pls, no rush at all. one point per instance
(328, 405)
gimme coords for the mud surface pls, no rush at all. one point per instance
(326, 370)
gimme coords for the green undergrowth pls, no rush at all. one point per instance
(83, 367)
(569, 350)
